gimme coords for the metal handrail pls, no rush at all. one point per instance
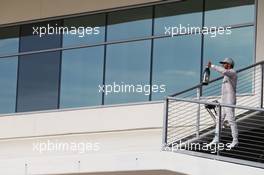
(216, 79)
(186, 119)
(216, 104)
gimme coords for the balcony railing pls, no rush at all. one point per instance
(188, 126)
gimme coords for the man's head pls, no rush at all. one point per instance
(228, 63)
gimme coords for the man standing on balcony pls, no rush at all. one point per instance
(228, 97)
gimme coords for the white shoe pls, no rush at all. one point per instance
(233, 144)
(213, 142)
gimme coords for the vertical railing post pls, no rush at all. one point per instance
(165, 122)
(198, 113)
(261, 88)
(219, 125)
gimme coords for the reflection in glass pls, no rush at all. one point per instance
(176, 63)
(186, 13)
(39, 74)
(239, 46)
(9, 40)
(8, 80)
(226, 12)
(129, 24)
(128, 63)
(82, 73)
(30, 41)
(38, 81)
(86, 30)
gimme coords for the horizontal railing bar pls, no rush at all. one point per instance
(253, 145)
(238, 155)
(241, 87)
(186, 120)
(244, 87)
(216, 104)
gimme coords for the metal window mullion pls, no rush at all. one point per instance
(152, 51)
(105, 54)
(18, 67)
(60, 70)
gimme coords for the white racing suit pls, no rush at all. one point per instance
(228, 97)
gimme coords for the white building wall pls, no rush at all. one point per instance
(129, 138)
(129, 135)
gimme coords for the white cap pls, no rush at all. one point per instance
(229, 61)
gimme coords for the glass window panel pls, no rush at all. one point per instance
(85, 37)
(226, 12)
(128, 63)
(186, 13)
(82, 73)
(239, 46)
(38, 81)
(30, 42)
(129, 24)
(39, 74)
(8, 79)
(9, 40)
(176, 63)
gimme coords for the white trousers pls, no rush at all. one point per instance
(229, 115)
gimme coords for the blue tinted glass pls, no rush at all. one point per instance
(82, 73)
(186, 13)
(9, 40)
(38, 81)
(8, 79)
(176, 63)
(128, 64)
(30, 40)
(239, 45)
(226, 12)
(84, 30)
(39, 74)
(129, 24)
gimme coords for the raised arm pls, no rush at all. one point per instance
(223, 71)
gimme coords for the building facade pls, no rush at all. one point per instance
(97, 72)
